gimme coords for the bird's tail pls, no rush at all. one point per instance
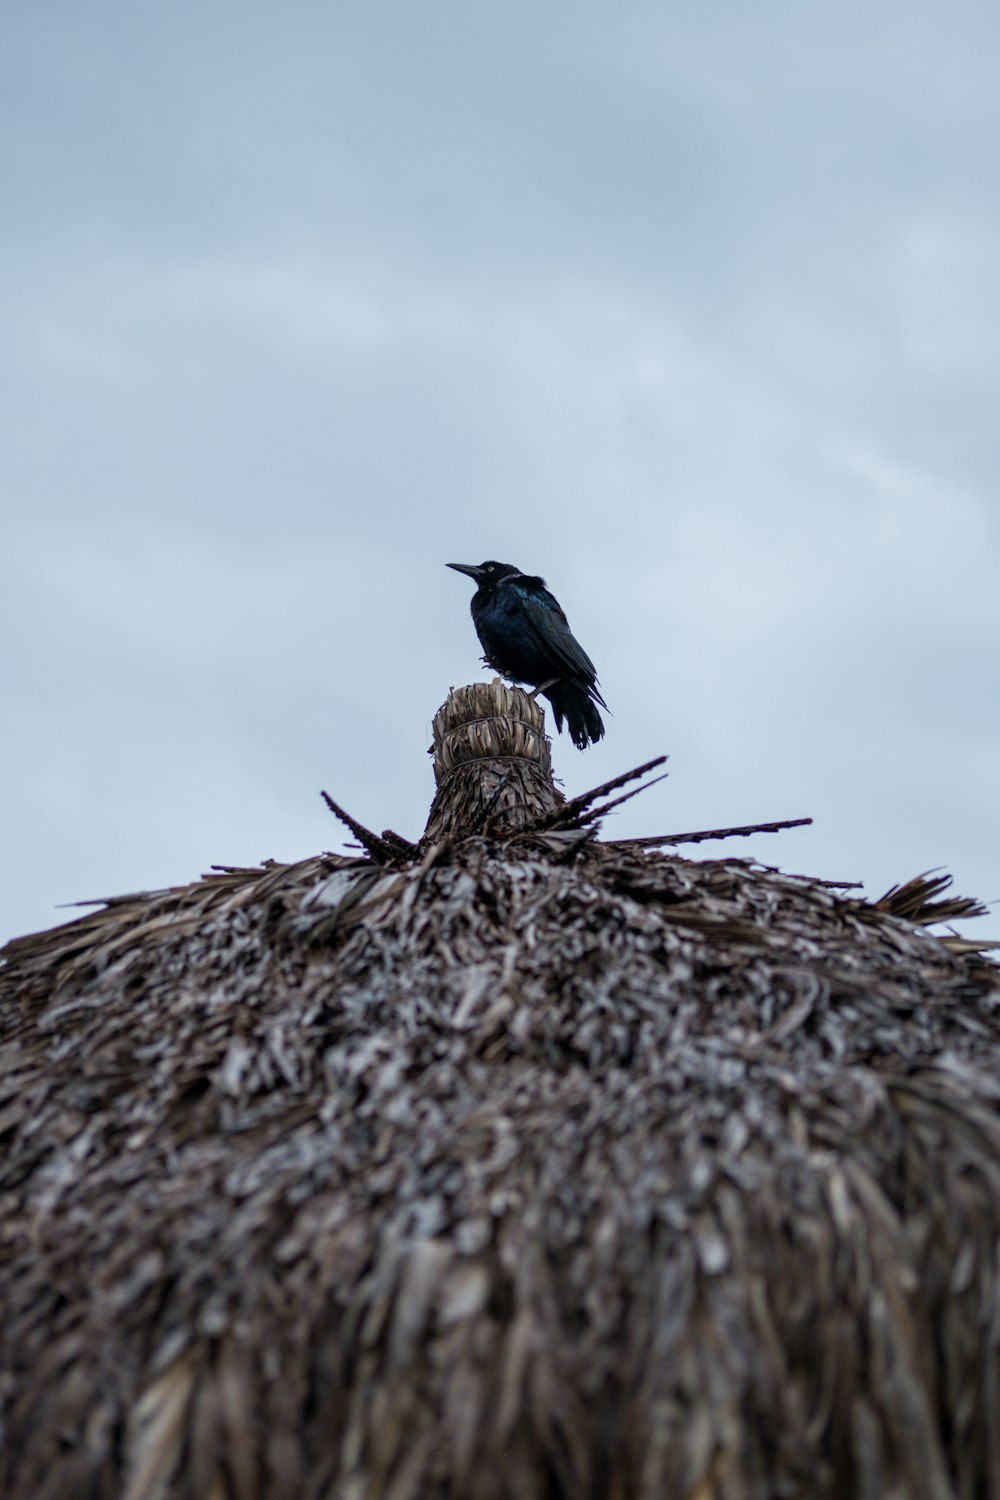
(575, 705)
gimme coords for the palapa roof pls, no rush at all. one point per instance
(516, 1164)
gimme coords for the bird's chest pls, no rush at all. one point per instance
(506, 635)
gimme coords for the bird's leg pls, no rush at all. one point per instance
(542, 686)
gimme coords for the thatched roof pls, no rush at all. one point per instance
(509, 1165)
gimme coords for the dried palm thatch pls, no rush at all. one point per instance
(512, 1164)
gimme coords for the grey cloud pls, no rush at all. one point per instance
(693, 312)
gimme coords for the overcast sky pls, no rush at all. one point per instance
(694, 310)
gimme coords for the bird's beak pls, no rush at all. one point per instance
(467, 568)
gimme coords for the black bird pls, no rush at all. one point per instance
(526, 637)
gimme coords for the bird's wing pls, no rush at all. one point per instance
(551, 631)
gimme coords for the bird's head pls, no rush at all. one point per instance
(486, 574)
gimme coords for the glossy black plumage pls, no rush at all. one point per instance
(525, 636)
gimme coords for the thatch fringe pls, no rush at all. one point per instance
(917, 901)
(528, 1167)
